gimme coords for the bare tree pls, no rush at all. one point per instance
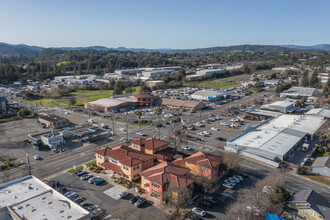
(232, 161)
(177, 197)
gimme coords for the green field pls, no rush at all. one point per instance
(212, 84)
(82, 96)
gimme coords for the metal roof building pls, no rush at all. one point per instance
(275, 138)
(298, 92)
(30, 198)
(209, 95)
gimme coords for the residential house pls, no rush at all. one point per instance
(201, 164)
(310, 205)
(125, 161)
(152, 146)
(322, 166)
(156, 180)
(54, 121)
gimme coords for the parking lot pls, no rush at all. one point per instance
(106, 196)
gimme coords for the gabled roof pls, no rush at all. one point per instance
(317, 202)
(125, 155)
(204, 160)
(322, 161)
(150, 143)
(169, 173)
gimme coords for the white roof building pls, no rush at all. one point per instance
(297, 92)
(209, 94)
(283, 106)
(30, 198)
(275, 138)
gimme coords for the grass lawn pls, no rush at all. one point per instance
(90, 163)
(82, 96)
(254, 90)
(72, 171)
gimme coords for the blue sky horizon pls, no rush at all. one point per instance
(164, 24)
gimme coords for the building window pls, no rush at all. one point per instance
(313, 214)
(125, 168)
(145, 178)
(98, 163)
(145, 162)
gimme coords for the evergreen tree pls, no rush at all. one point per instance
(314, 79)
(304, 79)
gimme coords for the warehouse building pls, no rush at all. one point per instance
(210, 95)
(298, 92)
(30, 198)
(273, 140)
(109, 104)
(181, 104)
(54, 121)
(284, 106)
(154, 83)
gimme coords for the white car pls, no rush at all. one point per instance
(199, 124)
(239, 177)
(206, 132)
(140, 133)
(224, 123)
(201, 134)
(187, 148)
(198, 211)
(122, 129)
(228, 185)
(36, 157)
(215, 129)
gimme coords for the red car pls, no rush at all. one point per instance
(2, 166)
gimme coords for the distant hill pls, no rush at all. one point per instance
(315, 47)
(238, 48)
(26, 50)
(19, 49)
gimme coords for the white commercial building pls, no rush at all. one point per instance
(156, 74)
(298, 92)
(274, 139)
(210, 95)
(283, 106)
(29, 198)
(53, 140)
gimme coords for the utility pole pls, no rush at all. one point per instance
(113, 123)
(28, 163)
(126, 128)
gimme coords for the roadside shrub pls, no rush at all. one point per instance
(23, 113)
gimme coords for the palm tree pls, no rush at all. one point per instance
(139, 115)
(159, 111)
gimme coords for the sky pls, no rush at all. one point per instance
(177, 24)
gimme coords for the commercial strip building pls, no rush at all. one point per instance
(154, 83)
(109, 104)
(54, 121)
(156, 180)
(273, 140)
(261, 114)
(183, 104)
(30, 198)
(284, 106)
(210, 95)
(205, 73)
(299, 92)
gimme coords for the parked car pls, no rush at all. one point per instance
(220, 139)
(159, 125)
(80, 172)
(215, 129)
(123, 194)
(140, 133)
(133, 199)
(36, 157)
(201, 134)
(54, 184)
(61, 190)
(98, 181)
(86, 176)
(206, 203)
(198, 211)
(210, 199)
(224, 123)
(199, 139)
(140, 202)
(187, 148)
(91, 180)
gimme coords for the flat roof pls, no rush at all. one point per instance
(319, 112)
(251, 110)
(302, 91)
(211, 93)
(282, 104)
(31, 198)
(112, 102)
